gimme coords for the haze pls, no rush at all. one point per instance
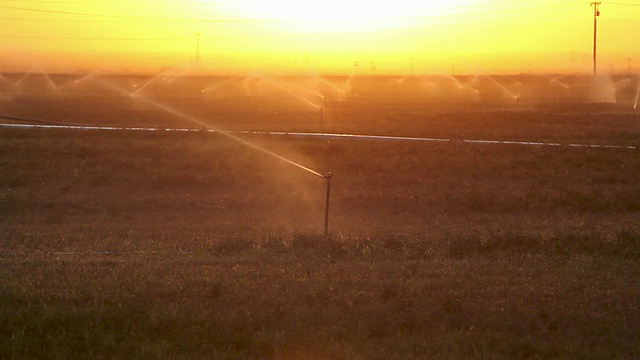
(326, 37)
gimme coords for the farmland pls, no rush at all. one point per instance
(138, 244)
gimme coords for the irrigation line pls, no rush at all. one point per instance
(39, 121)
(318, 135)
(108, 128)
(439, 140)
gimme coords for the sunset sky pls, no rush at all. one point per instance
(329, 36)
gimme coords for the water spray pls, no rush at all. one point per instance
(37, 69)
(281, 84)
(635, 103)
(216, 85)
(48, 78)
(19, 82)
(229, 135)
(339, 91)
(141, 86)
(501, 86)
(301, 98)
(168, 76)
(457, 83)
(518, 83)
(288, 91)
(463, 86)
(5, 80)
(80, 80)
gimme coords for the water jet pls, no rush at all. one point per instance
(505, 89)
(229, 135)
(216, 85)
(635, 103)
(602, 89)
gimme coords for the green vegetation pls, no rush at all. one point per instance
(446, 251)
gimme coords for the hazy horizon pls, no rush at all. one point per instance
(329, 37)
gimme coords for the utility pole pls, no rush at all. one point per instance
(596, 13)
(197, 50)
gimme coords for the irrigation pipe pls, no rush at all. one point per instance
(317, 135)
(38, 121)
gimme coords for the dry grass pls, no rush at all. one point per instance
(445, 251)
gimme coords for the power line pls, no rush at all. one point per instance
(505, 11)
(492, 12)
(86, 38)
(64, 20)
(620, 4)
(107, 2)
(134, 17)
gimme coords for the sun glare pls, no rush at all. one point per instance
(399, 36)
(348, 15)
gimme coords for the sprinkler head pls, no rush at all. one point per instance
(328, 176)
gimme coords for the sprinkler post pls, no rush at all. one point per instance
(517, 102)
(321, 117)
(326, 210)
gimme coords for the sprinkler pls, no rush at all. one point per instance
(244, 142)
(321, 117)
(326, 210)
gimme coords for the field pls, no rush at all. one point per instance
(157, 244)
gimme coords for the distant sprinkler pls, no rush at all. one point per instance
(356, 65)
(635, 103)
(373, 67)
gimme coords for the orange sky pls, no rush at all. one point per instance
(330, 36)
